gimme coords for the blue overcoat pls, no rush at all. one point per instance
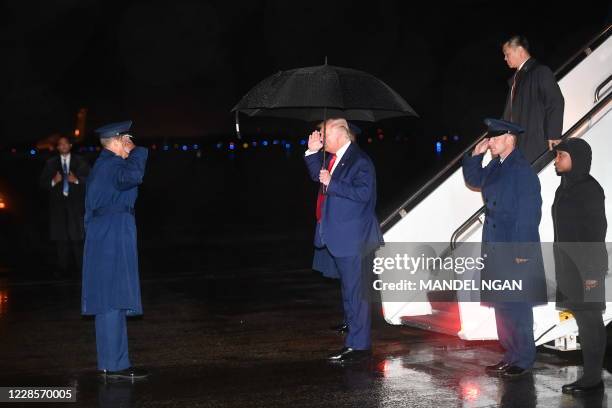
(110, 261)
(511, 193)
(348, 226)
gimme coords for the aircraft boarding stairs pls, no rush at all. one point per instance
(445, 210)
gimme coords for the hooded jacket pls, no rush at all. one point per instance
(580, 228)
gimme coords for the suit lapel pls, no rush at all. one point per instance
(58, 163)
(522, 72)
(73, 164)
(345, 161)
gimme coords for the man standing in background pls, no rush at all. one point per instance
(64, 178)
(534, 101)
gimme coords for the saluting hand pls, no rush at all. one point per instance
(324, 177)
(315, 141)
(128, 144)
(481, 147)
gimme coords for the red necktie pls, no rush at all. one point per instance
(321, 196)
(512, 91)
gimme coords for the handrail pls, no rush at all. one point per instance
(586, 49)
(538, 165)
(454, 164)
(600, 87)
(432, 181)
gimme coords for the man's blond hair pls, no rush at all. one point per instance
(341, 122)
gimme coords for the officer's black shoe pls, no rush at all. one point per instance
(349, 354)
(513, 372)
(497, 369)
(569, 388)
(341, 328)
(130, 373)
(581, 390)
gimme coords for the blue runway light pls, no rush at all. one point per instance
(265, 143)
(275, 142)
(302, 142)
(232, 146)
(438, 147)
(287, 145)
(185, 148)
(196, 147)
(219, 145)
(33, 152)
(254, 144)
(456, 138)
(166, 148)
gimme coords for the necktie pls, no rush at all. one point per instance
(512, 91)
(65, 186)
(321, 196)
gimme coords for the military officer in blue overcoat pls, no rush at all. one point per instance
(111, 287)
(511, 240)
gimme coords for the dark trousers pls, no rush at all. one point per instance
(514, 322)
(69, 252)
(357, 308)
(592, 334)
(112, 341)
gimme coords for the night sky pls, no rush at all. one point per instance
(178, 67)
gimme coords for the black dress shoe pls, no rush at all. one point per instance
(569, 388)
(497, 369)
(581, 390)
(513, 372)
(341, 328)
(130, 373)
(349, 354)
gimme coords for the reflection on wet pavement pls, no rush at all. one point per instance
(254, 339)
(3, 302)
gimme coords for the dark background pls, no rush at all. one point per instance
(177, 68)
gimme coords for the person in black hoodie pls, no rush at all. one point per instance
(581, 259)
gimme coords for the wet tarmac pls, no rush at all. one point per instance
(257, 338)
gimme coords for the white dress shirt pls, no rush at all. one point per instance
(521, 66)
(64, 159)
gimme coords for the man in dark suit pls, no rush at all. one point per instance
(64, 178)
(347, 231)
(534, 101)
(511, 241)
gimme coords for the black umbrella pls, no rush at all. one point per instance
(321, 92)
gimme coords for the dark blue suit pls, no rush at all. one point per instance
(111, 286)
(347, 234)
(511, 192)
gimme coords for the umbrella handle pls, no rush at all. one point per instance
(323, 186)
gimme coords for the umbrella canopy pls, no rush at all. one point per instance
(324, 91)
